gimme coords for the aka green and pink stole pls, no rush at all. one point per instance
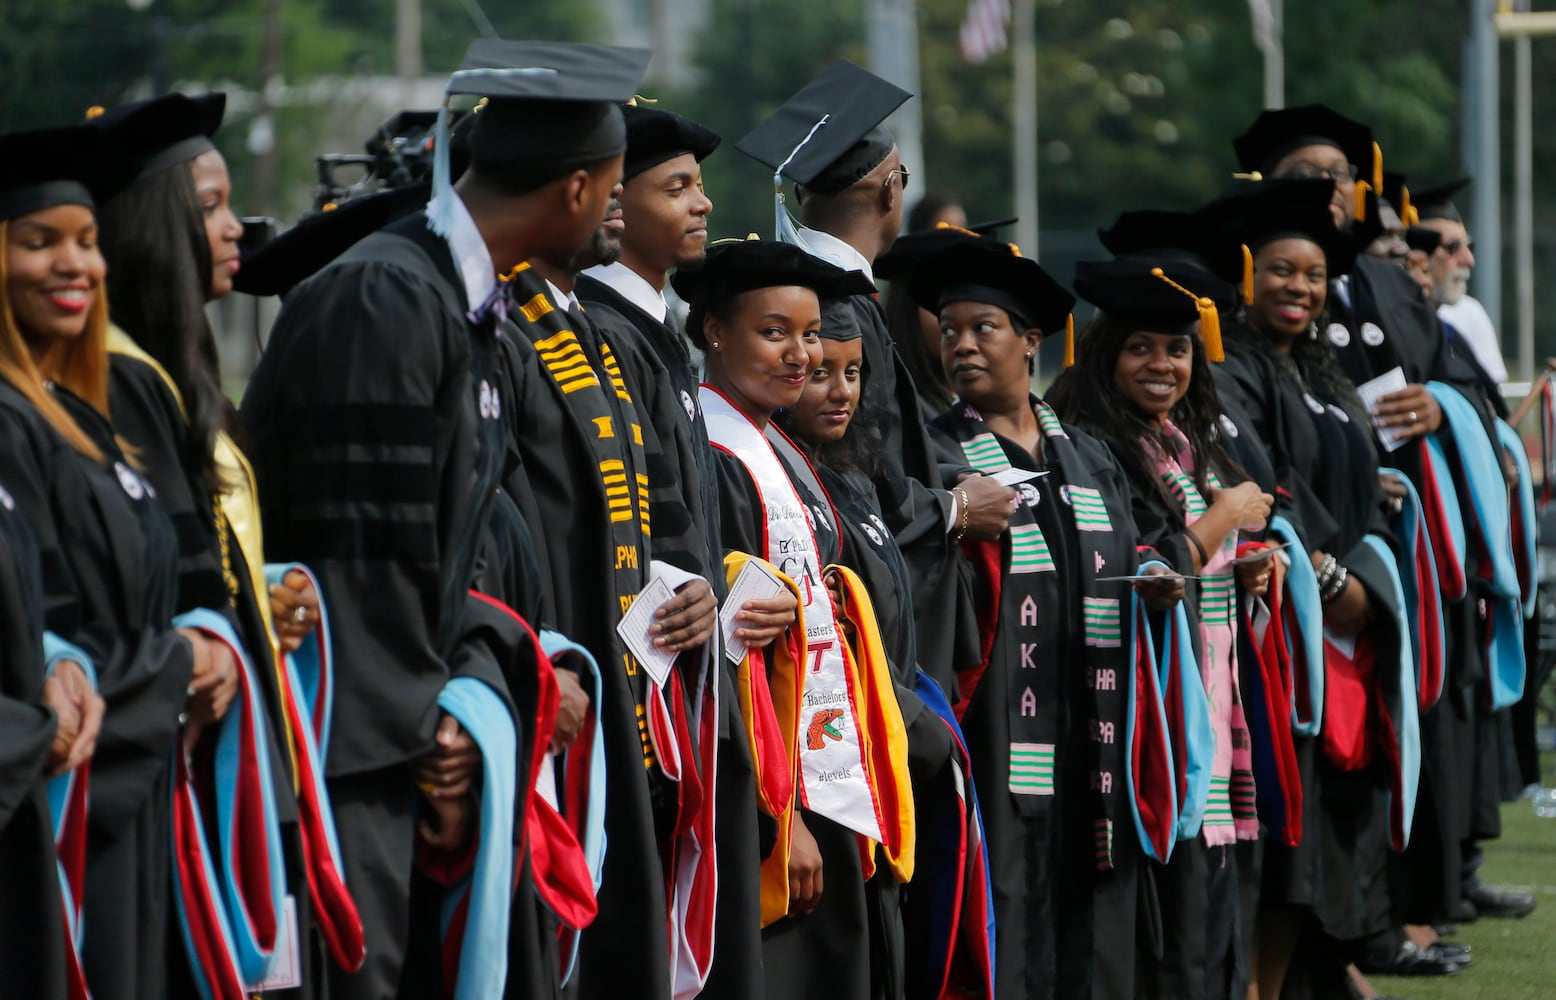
(1132, 768)
(1230, 814)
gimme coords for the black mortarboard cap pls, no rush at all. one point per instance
(654, 136)
(1260, 212)
(1423, 239)
(1277, 132)
(308, 247)
(1158, 295)
(910, 250)
(1437, 202)
(733, 266)
(162, 131)
(551, 107)
(76, 165)
(1182, 237)
(1397, 193)
(549, 71)
(980, 269)
(828, 135)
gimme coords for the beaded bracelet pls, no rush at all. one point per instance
(1336, 585)
(1326, 571)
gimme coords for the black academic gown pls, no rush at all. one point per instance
(899, 916)
(32, 936)
(1339, 868)
(378, 447)
(1064, 928)
(149, 417)
(1201, 952)
(827, 952)
(589, 571)
(913, 501)
(663, 373)
(110, 563)
(1385, 321)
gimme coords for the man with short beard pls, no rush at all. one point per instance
(596, 484)
(1452, 264)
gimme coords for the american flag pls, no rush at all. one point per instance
(984, 31)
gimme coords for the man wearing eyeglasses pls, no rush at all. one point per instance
(1452, 263)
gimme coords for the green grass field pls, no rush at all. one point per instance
(1513, 958)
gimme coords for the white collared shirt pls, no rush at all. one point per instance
(562, 300)
(830, 248)
(633, 287)
(471, 257)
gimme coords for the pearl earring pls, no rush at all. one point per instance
(715, 345)
(1312, 330)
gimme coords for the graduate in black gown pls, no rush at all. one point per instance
(1378, 322)
(1142, 384)
(171, 242)
(50, 721)
(757, 314)
(844, 452)
(850, 191)
(1330, 888)
(388, 358)
(598, 476)
(665, 213)
(1045, 712)
(107, 549)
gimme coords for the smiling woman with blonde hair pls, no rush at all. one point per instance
(108, 551)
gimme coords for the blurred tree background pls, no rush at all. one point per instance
(1137, 99)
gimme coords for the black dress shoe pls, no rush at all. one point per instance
(1411, 960)
(1447, 951)
(1463, 912)
(1497, 901)
(1446, 930)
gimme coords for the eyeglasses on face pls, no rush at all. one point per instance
(1306, 170)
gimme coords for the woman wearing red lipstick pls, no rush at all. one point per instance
(1142, 384)
(108, 549)
(756, 313)
(1358, 732)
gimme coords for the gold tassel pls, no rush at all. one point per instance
(1247, 275)
(1210, 329)
(95, 111)
(1377, 168)
(1407, 212)
(1209, 318)
(1252, 175)
(1362, 187)
(1069, 340)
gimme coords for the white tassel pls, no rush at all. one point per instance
(440, 211)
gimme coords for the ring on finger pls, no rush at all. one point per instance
(300, 614)
(1414, 419)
